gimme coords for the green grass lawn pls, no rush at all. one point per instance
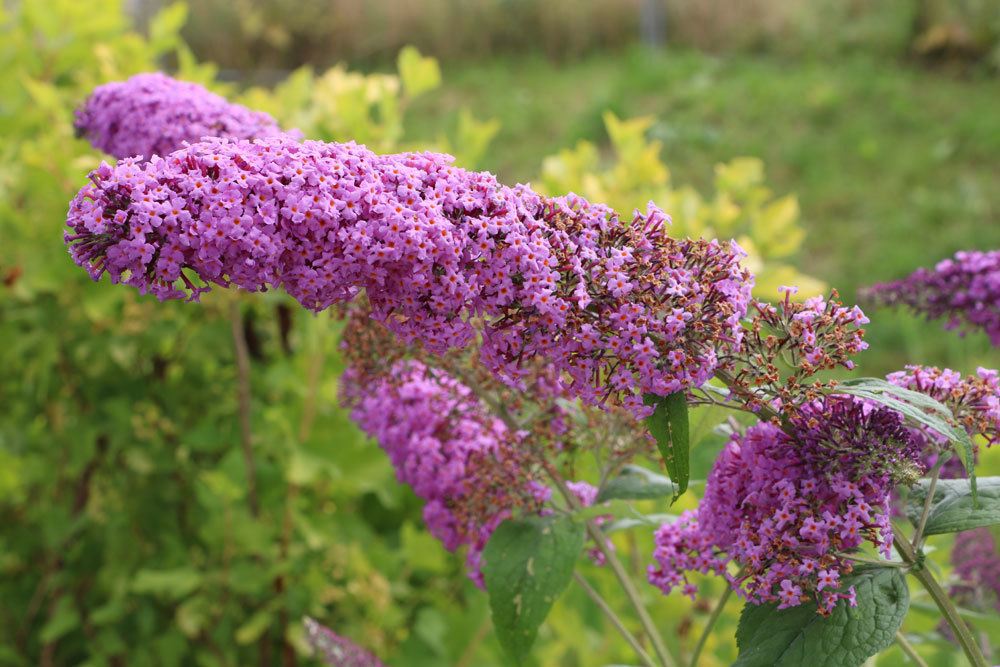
(895, 166)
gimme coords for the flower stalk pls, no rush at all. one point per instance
(963, 635)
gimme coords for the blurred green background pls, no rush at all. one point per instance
(842, 142)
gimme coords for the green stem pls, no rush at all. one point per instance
(961, 631)
(712, 620)
(918, 536)
(241, 354)
(615, 621)
(601, 542)
(469, 654)
(909, 650)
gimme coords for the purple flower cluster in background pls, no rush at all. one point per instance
(974, 399)
(449, 449)
(977, 569)
(965, 291)
(154, 114)
(786, 508)
(337, 651)
(618, 307)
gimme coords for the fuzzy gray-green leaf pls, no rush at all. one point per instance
(952, 509)
(847, 637)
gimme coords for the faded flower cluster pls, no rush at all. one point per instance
(788, 343)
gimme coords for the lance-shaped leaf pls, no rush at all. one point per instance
(636, 483)
(919, 408)
(669, 426)
(526, 565)
(952, 508)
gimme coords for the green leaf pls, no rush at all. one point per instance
(987, 622)
(472, 138)
(767, 637)
(418, 73)
(641, 520)
(192, 615)
(251, 631)
(63, 620)
(165, 27)
(669, 426)
(952, 507)
(174, 584)
(421, 550)
(527, 564)
(636, 483)
(921, 409)
(432, 628)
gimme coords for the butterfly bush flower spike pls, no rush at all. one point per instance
(616, 308)
(444, 444)
(788, 509)
(963, 290)
(154, 114)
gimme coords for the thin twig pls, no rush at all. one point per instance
(615, 621)
(465, 660)
(909, 649)
(712, 620)
(313, 377)
(918, 536)
(242, 355)
(611, 558)
(947, 608)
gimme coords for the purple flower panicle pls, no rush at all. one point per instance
(619, 308)
(977, 569)
(154, 114)
(974, 399)
(964, 291)
(445, 445)
(786, 508)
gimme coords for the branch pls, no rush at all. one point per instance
(242, 356)
(712, 620)
(615, 621)
(909, 650)
(600, 541)
(962, 633)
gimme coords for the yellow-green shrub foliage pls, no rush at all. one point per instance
(133, 529)
(340, 105)
(741, 207)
